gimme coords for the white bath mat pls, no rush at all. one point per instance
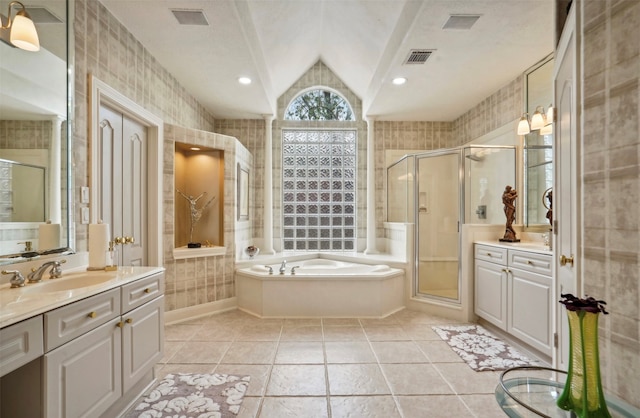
(480, 349)
(187, 395)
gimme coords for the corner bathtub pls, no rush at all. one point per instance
(320, 288)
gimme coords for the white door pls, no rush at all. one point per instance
(122, 183)
(566, 214)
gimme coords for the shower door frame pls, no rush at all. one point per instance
(461, 206)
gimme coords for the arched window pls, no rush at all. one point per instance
(319, 104)
(319, 167)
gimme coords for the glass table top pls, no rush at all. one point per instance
(532, 392)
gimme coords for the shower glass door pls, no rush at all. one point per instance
(438, 222)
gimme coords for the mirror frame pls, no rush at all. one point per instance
(70, 102)
(527, 225)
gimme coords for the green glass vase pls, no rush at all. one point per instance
(582, 392)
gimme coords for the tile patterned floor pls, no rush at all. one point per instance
(334, 368)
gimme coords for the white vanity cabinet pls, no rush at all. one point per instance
(513, 291)
(20, 343)
(120, 340)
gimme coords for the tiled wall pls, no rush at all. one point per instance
(611, 188)
(25, 134)
(106, 49)
(502, 107)
(199, 280)
(250, 133)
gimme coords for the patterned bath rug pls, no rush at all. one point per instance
(188, 395)
(480, 349)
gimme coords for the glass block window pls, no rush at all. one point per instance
(319, 190)
(319, 105)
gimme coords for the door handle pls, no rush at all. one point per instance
(564, 260)
(120, 240)
(129, 240)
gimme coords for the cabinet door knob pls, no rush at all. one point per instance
(564, 260)
(147, 290)
(120, 324)
(529, 262)
(92, 314)
(128, 320)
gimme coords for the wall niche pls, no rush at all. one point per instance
(199, 200)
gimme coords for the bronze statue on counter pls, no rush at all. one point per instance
(508, 197)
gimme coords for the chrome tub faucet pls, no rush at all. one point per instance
(283, 267)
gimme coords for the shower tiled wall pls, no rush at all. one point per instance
(611, 183)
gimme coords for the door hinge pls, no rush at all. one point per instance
(555, 340)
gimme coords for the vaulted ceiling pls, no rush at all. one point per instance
(364, 42)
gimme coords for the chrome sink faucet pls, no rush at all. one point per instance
(56, 271)
(283, 267)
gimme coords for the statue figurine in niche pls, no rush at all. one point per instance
(196, 214)
(508, 198)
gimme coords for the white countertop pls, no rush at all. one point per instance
(21, 303)
(532, 246)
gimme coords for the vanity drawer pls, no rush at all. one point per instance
(530, 261)
(491, 254)
(141, 291)
(64, 324)
(20, 343)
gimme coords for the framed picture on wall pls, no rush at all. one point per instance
(243, 194)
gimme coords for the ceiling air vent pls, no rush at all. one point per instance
(190, 17)
(461, 22)
(42, 15)
(418, 56)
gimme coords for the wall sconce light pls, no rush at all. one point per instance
(20, 31)
(551, 115)
(538, 119)
(523, 125)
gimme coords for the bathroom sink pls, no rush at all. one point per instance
(67, 283)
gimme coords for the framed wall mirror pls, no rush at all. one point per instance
(35, 103)
(538, 146)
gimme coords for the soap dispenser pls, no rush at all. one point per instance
(111, 257)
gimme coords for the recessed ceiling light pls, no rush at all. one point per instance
(194, 149)
(398, 81)
(244, 80)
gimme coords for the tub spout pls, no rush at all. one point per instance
(283, 266)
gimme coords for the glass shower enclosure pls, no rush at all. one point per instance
(438, 191)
